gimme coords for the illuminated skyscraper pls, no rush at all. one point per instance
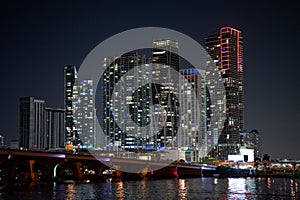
(80, 110)
(84, 112)
(225, 49)
(193, 134)
(165, 52)
(32, 123)
(123, 85)
(140, 105)
(71, 135)
(165, 70)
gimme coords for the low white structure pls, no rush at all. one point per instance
(245, 155)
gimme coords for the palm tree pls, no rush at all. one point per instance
(266, 157)
(266, 160)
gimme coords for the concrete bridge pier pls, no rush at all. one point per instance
(78, 173)
(32, 174)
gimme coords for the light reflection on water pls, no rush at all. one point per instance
(194, 188)
(120, 193)
(242, 188)
(182, 190)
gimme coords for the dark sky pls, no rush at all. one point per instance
(38, 38)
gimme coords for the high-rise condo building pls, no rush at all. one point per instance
(165, 74)
(55, 128)
(71, 134)
(124, 88)
(32, 123)
(193, 135)
(80, 113)
(225, 49)
(84, 112)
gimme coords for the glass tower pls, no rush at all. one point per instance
(123, 103)
(80, 110)
(71, 134)
(165, 74)
(225, 49)
(84, 112)
(193, 134)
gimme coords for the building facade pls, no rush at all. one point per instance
(84, 112)
(252, 140)
(123, 86)
(165, 75)
(140, 107)
(225, 50)
(32, 123)
(193, 134)
(80, 114)
(55, 128)
(71, 135)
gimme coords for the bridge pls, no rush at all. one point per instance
(20, 166)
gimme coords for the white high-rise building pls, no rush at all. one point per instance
(165, 74)
(84, 112)
(80, 113)
(193, 134)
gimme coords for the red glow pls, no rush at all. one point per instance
(190, 76)
(224, 53)
(239, 55)
(174, 172)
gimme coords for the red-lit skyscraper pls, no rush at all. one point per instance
(225, 49)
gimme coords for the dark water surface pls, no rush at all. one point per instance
(194, 188)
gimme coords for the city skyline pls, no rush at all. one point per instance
(266, 60)
(125, 96)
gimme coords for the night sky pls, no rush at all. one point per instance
(38, 38)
